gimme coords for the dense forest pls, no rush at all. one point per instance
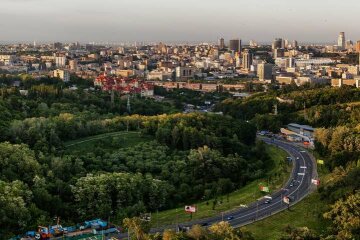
(184, 158)
(190, 157)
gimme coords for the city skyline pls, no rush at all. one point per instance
(185, 21)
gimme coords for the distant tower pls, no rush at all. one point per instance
(221, 43)
(341, 41)
(128, 106)
(277, 43)
(357, 46)
(247, 59)
(235, 45)
(295, 44)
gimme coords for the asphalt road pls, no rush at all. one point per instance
(298, 186)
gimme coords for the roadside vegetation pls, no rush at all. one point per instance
(278, 173)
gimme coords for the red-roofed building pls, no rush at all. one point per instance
(124, 85)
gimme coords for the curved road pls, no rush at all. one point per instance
(298, 186)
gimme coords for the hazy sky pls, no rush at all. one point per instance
(177, 20)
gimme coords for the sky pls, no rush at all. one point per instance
(115, 21)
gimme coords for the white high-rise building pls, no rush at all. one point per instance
(341, 41)
(60, 61)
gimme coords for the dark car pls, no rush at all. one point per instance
(230, 218)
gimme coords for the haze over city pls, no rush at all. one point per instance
(175, 21)
(179, 119)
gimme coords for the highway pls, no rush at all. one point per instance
(298, 186)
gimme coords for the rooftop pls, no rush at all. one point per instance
(305, 127)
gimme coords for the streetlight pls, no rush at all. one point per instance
(177, 224)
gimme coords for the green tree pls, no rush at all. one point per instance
(15, 201)
(345, 215)
(17, 162)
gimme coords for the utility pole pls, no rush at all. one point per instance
(112, 97)
(177, 226)
(128, 106)
(276, 109)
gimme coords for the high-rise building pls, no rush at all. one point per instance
(341, 41)
(286, 43)
(235, 45)
(265, 71)
(349, 45)
(221, 43)
(247, 59)
(295, 44)
(73, 65)
(60, 61)
(357, 48)
(277, 43)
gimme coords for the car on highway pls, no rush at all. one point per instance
(205, 224)
(268, 199)
(184, 228)
(230, 218)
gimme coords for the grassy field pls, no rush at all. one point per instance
(304, 214)
(247, 194)
(107, 141)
